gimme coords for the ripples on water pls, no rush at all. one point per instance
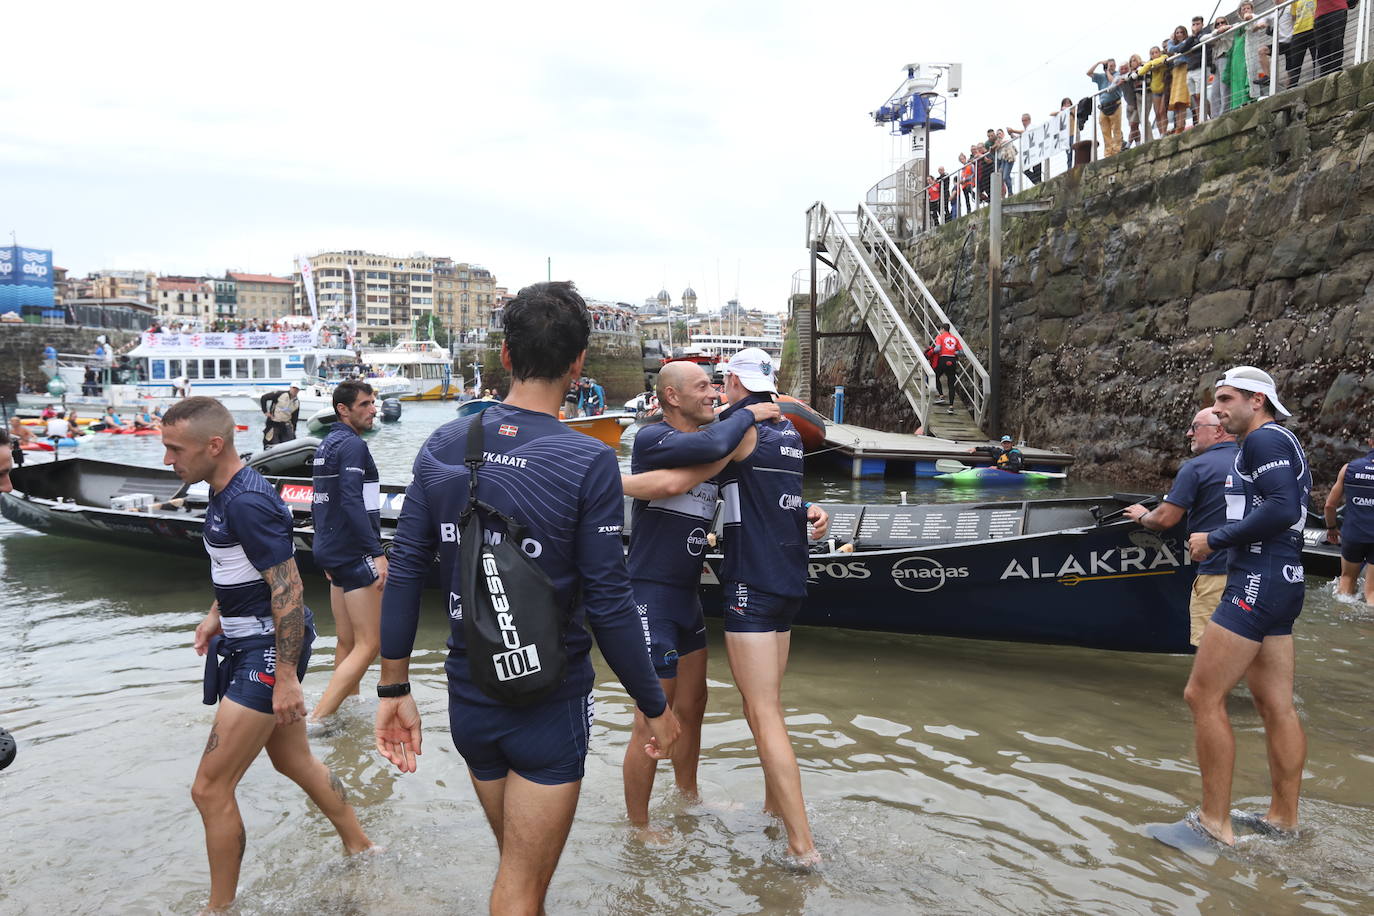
(943, 776)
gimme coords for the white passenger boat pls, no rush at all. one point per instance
(427, 366)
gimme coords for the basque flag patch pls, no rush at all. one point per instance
(508, 429)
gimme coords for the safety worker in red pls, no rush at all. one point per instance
(933, 200)
(948, 347)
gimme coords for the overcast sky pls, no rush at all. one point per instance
(636, 144)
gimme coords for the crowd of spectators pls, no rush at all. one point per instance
(612, 318)
(1195, 74)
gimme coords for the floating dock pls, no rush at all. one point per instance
(873, 453)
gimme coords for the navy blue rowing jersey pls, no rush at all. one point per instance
(765, 522)
(565, 488)
(668, 535)
(346, 504)
(247, 531)
(1358, 524)
(1266, 501)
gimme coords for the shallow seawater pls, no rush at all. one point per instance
(943, 776)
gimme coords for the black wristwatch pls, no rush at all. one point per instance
(388, 691)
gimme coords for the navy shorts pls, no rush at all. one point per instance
(253, 673)
(1263, 600)
(546, 743)
(360, 573)
(748, 610)
(672, 617)
(1357, 551)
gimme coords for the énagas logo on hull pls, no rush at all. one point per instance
(924, 574)
(696, 542)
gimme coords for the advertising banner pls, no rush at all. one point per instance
(26, 278)
(1046, 139)
(248, 340)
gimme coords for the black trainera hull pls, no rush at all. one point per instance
(1035, 571)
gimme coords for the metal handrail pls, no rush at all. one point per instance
(972, 377)
(830, 225)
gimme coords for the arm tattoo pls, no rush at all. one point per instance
(213, 741)
(288, 611)
(337, 785)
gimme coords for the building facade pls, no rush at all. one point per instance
(393, 293)
(183, 300)
(261, 298)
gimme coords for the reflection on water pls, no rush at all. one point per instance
(943, 775)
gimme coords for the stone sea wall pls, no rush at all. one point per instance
(21, 348)
(614, 360)
(1247, 240)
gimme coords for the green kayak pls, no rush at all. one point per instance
(977, 477)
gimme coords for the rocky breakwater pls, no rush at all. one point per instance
(1247, 240)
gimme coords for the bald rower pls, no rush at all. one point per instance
(667, 542)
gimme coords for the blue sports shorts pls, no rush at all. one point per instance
(1263, 600)
(360, 573)
(545, 743)
(748, 610)
(1357, 551)
(253, 672)
(671, 614)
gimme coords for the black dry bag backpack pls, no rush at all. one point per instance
(513, 620)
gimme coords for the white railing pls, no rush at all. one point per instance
(920, 312)
(887, 324)
(901, 200)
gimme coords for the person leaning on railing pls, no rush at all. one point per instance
(1130, 92)
(1179, 44)
(1218, 62)
(1329, 35)
(1297, 37)
(1108, 104)
(1157, 69)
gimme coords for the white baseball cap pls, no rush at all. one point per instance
(1248, 378)
(754, 369)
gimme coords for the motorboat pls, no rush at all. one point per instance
(427, 367)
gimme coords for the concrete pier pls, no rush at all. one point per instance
(872, 453)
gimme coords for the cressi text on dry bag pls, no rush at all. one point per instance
(513, 619)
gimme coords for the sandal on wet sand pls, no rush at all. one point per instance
(1187, 835)
(1256, 823)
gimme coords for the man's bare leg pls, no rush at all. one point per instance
(236, 737)
(638, 768)
(343, 627)
(758, 661)
(531, 824)
(291, 755)
(1350, 577)
(362, 608)
(1271, 683)
(689, 705)
(1222, 659)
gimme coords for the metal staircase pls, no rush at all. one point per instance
(901, 315)
(800, 374)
